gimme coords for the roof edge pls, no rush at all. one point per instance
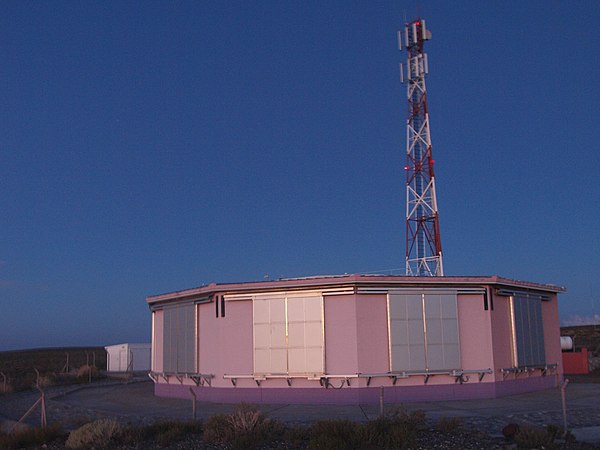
(329, 280)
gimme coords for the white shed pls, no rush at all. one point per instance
(128, 357)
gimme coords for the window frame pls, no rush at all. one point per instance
(527, 330)
(421, 331)
(260, 339)
(180, 333)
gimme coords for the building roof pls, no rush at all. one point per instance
(372, 280)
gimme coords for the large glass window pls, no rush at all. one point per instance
(528, 330)
(179, 339)
(423, 331)
(288, 335)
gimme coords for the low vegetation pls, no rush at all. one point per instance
(248, 428)
(99, 434)
(55, 366)
(534, 437)
(449, 424)
(159, 435)
(31, 438)
(390, 432)
(245, 428)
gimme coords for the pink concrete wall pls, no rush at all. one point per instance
(236, 339)
(208, 352)
(361, 395)
(341, 355)
(475, 333)
(501, 329)
(372, 333)
(158, 341)
(502, 336)
(226, 343)
(356, 341)
(552, 333)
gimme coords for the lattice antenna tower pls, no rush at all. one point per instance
(423, 244)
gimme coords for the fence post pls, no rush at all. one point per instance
(381, 402)
(66, 366)
(43, 413)
(89, 368)
(563, 386)
(193, 404)
(40, 401)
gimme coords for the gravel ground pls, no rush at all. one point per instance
(67, 405)
(429, 440)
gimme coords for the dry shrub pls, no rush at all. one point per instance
(84, 371)
(397, 430)
(97, 434)
(555, 431)
(217, 429)
(245, 418)
(335, 435)
(385, 433)
(510, 430)
(45, 380)
(296, 436)
(415, 419)
(448, 425)
(245, 428)
(161, 433)
(533, 437)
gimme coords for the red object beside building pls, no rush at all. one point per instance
(575, 363)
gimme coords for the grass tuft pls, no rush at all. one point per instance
(335, 435)
(533, 437)
(397, 430)
(161, 433)
(245, 428)
(449, 425)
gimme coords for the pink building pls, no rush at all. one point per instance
(339, 339)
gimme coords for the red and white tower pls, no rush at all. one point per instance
(423, 244)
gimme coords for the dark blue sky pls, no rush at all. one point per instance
(147, 147)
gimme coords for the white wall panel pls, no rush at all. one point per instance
(169, 349)
(414, 307)
(407, 337)
(278, 361)
(269, 336)
(262, 335)
(158, 331)
(179, 352)
(442, 331)
(314, 335)
(262, 360)
(296, 338)
(435, 357)
(314, 360)
(305, 334)
(450, 331)
(423, 331)
(288, 334)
